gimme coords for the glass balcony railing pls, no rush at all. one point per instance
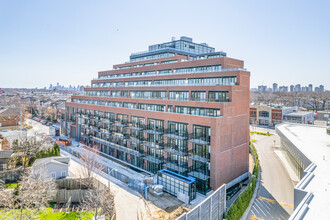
(200, 173)
(175, 73)
(176, 134)
(175, 149)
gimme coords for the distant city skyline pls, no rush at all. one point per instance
(290, 88)
(43, 42)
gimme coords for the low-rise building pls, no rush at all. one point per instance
(299, 117)
(308, 149)
(273, 115)
(57, 167)
(323, 116)
(10, 117)
(4, 157)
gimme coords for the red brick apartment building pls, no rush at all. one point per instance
(179, 106)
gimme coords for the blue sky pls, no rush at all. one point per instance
(43, 42)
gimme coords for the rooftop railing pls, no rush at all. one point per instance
(176, 73)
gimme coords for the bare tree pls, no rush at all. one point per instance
(28, 147)
(90, 165)
(34, 191)
(100, 200)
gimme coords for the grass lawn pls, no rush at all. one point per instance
(11, 185)
(48, 215)
(261, 133)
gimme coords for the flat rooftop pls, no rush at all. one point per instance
(314, 143)
(298, 113)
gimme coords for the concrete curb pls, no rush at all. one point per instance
(256, 190)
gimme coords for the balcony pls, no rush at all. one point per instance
(78, 115)
(84, 126)
(97, 119)
(198, 173)
(175, 149)
(119, 135)
(154, 129)
(175, 166)
(120, 123)
(176, 134)
(122, 148)
(199, 139)
(94, 128)
(136, 126)
(106, 120)
(200, 158)
(157, 160)
(137, 140)
(84, 116)
(106, 131)
(174, 73)
(153, 145)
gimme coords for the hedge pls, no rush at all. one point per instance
(51, 152)
(261, 133)
(237, 210)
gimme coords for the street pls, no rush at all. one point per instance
(275, 196)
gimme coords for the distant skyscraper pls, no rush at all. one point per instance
(262, 88)
(316, 89)
(310, 88)
(291, 88)
(275, 87)
(321, 88)
(297, 88)
(283, 89)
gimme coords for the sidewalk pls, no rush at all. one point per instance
(127, 201)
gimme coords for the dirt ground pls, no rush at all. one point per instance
(165, 206)
(170, 213)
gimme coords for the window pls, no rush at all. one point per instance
(198, 111)
(179, 95)
(53, 175)
(63, 174)
(198, 96)
(264, 114)
(218, 96)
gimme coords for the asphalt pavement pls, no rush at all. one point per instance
(275, 196)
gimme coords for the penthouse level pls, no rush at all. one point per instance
(187, 113)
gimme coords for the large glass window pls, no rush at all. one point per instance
(197, 111)
(264, 114)
(152, 107)
(198, 96)
(179, 95)
(218, 96)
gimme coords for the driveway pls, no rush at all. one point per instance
(275, 196)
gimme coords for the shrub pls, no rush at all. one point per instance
(238, 208)
(51, 152)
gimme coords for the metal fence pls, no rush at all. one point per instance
(134, 184)
(212, 208)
